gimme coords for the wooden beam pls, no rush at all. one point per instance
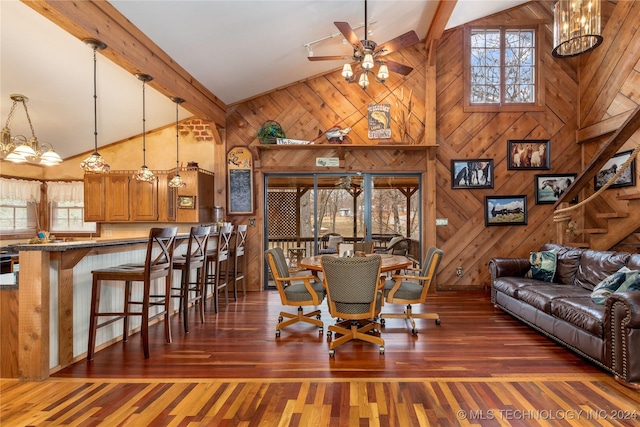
(604, 154)
(604, 127)
(131, 49)
(437, 26)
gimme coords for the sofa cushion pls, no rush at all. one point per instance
(510, 285)
(595, 266)
(620, 280)
(543, 265)
(567, 264)
(633, 263)
(541, 295)
(580, 312)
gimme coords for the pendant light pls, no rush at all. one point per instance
(576, 27)
(176, 181)
(144, 174)
(95, 163)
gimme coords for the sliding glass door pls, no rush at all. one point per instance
(303, 211)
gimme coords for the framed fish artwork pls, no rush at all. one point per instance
(379, 118)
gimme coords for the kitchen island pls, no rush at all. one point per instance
(45, 317)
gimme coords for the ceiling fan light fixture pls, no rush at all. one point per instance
(383, 73)
(367, 62)
(364, 80)
(347, 71)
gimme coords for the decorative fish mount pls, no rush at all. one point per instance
(336, 134)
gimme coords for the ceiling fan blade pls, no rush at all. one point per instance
(329, 58)
(407, 39)
(348, 34)
(397, 67)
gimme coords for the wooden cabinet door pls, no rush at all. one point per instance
(94, 197)
(117, 200)
(144, 200)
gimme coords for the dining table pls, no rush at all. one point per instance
(390, 262)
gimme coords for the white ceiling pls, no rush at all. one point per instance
(237, 49)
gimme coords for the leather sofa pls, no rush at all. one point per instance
(606, 334)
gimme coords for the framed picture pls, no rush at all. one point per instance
(524, 154)
(186, 202)
(628, 177)
(473, 173)
(505, 210)
(549, 187)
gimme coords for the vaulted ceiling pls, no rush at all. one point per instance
(232, 50)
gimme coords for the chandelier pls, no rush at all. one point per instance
(176, 181)
(95, 163)
(576, 27)
(19, 149)
(144, 174)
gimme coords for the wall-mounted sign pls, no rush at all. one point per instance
(379, 118)
(327, 161)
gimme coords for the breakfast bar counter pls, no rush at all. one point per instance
(44, 318)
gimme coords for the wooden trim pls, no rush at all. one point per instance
(603, 127)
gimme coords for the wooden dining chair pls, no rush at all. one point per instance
(158, 265)
(191, 291)
(296, 291)
(413, 288)
(217, 269)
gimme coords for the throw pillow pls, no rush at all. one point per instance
(543, 265)
(620, 281)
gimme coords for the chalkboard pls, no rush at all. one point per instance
(240, 181)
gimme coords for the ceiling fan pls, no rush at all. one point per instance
(367, 53)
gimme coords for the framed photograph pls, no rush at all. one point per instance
(186, 202)
(628, 177)
(472, 173)
(549, 187)
(505, 210)
(525, 154)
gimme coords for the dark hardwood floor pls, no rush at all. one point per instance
(478, 367)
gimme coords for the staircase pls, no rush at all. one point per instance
(619, 225)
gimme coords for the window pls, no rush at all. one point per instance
(18, 207)
(66, 208)
(68, 217)
(17, 217)
(502, 69)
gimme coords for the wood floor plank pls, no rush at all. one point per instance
(479, 367)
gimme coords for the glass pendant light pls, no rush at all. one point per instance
(176, 181)
(95, 163)
(144, 174)
(383, 73)
(347, 72)
(364, 80)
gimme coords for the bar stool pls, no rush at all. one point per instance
(158, 264)
(193, 259)
(217, 270)
(239, 264)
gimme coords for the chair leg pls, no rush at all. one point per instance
(167, 312)
(184, 298)
(144, 326)
(95, 304)
(125, 322)
(200, 291)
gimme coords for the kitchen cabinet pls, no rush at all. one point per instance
(117, 197)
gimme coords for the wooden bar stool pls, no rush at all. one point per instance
(193, 259)
(217, 271)
(158, 264)
(239, 264)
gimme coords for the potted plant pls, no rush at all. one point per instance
(269, 131)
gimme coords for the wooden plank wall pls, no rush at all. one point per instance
(306, 108)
